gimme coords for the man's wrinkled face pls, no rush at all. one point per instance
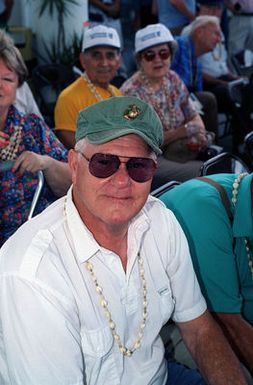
(112, 201)
(211, 35)
(101, 64)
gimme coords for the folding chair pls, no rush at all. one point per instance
(162, 189)
(7, 165)
(248, 149)
(242, 63)
(224, 163)
(36, 194)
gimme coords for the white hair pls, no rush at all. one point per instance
(81, 145)
(200, 21)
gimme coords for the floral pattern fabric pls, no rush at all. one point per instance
(173, 112)
(17, 190)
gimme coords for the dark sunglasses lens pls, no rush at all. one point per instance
(141, 169)
(149, 55)
(164, 54)
(103, 165)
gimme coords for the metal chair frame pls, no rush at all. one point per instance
(164, 188)
(236, 165)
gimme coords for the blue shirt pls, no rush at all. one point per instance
(186, 64)
(170, 16)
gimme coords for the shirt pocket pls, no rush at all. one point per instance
(98, 342)
(167, 303)
(97, 347)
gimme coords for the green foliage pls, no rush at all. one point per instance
(59, 51)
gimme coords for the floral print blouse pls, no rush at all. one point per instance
(173, 106)
(17, 190)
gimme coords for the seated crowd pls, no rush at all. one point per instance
(154, 122)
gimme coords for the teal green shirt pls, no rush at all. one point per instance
(221, 264)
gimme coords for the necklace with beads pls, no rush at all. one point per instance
(104, 303)
(236, 186)
(217, 52)
(167, 114)
(93, 88)
(10, 151)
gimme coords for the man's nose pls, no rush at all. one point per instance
(104, 59)
(121, 176)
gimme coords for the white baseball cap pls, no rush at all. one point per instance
(100, 35)
(153, 34)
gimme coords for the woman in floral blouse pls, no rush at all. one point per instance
(27, 145)
(156, 84)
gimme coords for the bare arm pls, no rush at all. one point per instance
(181, 132)
(182, 8)
(211, 351)
(56, 173)
(240, 335)
(110, 9)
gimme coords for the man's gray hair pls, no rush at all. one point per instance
(12, 57)
(200, 21)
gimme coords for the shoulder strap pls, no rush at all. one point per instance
(223, 195)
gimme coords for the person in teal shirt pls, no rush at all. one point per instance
(221, 251)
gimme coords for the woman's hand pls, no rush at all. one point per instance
(30, 161)
(196, 134)
(4, 139)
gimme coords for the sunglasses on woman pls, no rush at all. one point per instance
(104, 165)
(163, 54)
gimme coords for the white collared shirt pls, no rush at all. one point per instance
(53, 330)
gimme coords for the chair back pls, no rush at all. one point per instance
(224, 163)
(164, 188)
(36, 193)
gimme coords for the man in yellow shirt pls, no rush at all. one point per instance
(100, 59)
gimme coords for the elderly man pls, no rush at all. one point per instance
(84, 295)
(240, 26)
(100, 59)
(199, 37)
(221, 250)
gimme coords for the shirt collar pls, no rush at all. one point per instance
(84, 242)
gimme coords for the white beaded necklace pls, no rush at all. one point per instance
(103, 302)
(94, 90)
(10, 151)
(236, 186)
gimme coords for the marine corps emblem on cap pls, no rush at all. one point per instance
(132, 112)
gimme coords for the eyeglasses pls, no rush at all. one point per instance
(163, 54)
(104, 165)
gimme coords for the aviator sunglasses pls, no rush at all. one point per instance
(150, 55)
(104, 165)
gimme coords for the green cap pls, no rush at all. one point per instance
(119, 116)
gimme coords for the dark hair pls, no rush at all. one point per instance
(12, 57)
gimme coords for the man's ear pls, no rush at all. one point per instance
(72, 161)
(82, 59)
